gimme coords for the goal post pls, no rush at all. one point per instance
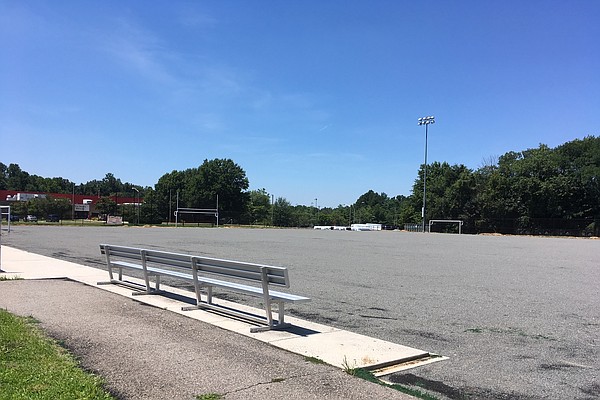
(447, 221)
(5, 211)
(202, 211)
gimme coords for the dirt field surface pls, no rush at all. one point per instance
(518, 317)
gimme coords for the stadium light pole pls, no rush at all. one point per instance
(425, 121)
(138, 205)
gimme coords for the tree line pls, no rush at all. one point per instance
(536, 191)
(550, 191)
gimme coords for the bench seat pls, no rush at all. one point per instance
(194, 269)
(288, 297)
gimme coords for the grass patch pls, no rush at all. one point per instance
(209, 396)
(368, 376)
(314, 360)
(10, 278)
(35, 367)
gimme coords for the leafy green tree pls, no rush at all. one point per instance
(226, 179)
(339, 216)
(449, 195)
(282, 212)
(61, 207)
(106, 206)
(303, 216)
(149, 212)
(17, 179)
(37, 207)
(199, 188)
(3, 176)
(259, 207)
(167, 190)
(20, 208)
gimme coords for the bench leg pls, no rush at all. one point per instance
(281, 311)
(198, 306)
(278, 327)
(272, 326)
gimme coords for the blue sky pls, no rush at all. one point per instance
(313, 99)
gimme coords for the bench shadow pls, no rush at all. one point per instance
(179, 297)
(227, 312)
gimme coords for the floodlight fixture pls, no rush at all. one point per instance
(427, 120)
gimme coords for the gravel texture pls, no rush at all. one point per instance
(519, 317)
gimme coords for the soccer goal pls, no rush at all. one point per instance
(5, 211)
(202, 211)
(447, 221)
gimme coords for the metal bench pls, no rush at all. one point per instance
(205, 273)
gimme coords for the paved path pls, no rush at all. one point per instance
(150, 353)
(518, 317)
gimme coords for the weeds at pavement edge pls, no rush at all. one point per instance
(368, 376)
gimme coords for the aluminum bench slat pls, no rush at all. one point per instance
(253, 290)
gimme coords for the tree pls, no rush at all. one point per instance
(282, 212)
(199, 188)
(148, 210)
(166, 192)
(259, 207)
(3, 176)
(106, 206)
(450, 193)
(61, 207)
(16, 179)
(223, 178)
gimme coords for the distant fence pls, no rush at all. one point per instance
(524, 226)
(413, 227)
(538, 226)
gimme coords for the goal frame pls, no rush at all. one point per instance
(203, 211)
(5, 210)
(449, 221)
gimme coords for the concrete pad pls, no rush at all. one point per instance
(347, 349)
(331, 345)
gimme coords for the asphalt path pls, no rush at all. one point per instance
(147, 353)
(518, 317)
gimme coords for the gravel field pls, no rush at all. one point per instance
(519, 317)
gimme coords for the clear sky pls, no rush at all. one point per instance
(313, 99)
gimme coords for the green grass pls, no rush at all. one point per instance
(368, 376)
(209, 396)
(313, 360)
(34, 367)
(10, 278)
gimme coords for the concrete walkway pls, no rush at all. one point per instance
(163, 352)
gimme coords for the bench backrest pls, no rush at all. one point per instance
(241, 270)
(273, 275)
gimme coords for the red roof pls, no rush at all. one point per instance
(74, 199)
